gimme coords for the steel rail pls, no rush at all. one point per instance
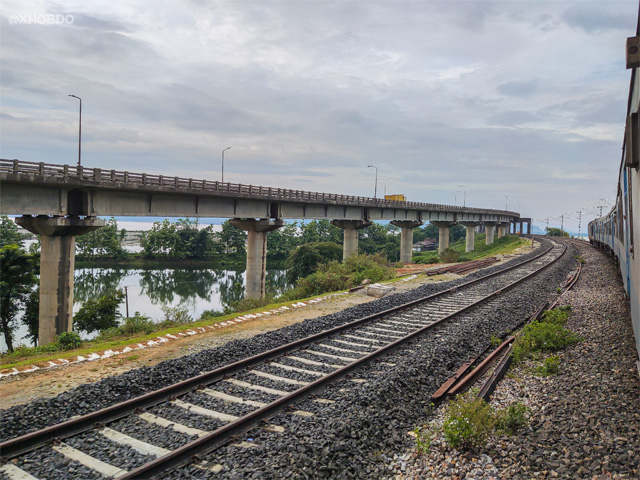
(22, 444)
(222, 435)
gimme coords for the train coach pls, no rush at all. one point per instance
(618, 232)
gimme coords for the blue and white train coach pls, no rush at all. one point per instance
(618, 232)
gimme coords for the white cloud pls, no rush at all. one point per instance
(492, 95)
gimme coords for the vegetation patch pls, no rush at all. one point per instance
(546, 335)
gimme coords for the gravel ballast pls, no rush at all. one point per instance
(355, 437)
(584, 421)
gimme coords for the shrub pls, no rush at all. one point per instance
(423, 439)
(96, 315)
(247, 304)
(512, 418)
(69, 340)
(449, 255)
(468, 421)
(305, 259)
(427, 260)
(212, 314)
(550, 366)
(137, 323)
(557, 316)
(580, 259)
(175, 316)
(542, 337)
(108, 333)
(495, 341)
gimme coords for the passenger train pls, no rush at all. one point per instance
(618, 232)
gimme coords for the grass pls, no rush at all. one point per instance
(27, 356)
(501, 246)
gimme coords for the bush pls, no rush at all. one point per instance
(248, 304)
(449, 255)
(468, 422)
(175, 316)
(336, 276)
(96, 315)
(550, 366)
(427, 260)
(557, 316)
(512, 418)
(137, 323)
(542, 337)
(212, 314)
(304, 260)
(69, 340)
(495, 341)
(108, 333)
(423, 439)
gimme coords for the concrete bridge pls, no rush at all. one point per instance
(59, 202)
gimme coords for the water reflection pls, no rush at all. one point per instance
(196, 289)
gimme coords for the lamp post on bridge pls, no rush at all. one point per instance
(464, 201)
(506, 205)
(375, 191)
(222, 177)
(79, 128)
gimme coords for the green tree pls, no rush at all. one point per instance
(233, 239)
(96, 315)
(305, 259)
(17, 279)
(160, 241)
(283, 241)
(456, 232)
(9, 232)
(556, 232)
(31, 315)
(103, 242)
(321, 231)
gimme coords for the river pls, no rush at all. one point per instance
(149, 289)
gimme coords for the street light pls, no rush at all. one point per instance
(490, 202)
(455, 197)
(464, 202)
(375, 191)
(506, 205)
(222, 178)
(79, 127)
(385, 186)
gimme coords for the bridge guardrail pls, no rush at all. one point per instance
(74, 172)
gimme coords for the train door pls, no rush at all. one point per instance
(626, 239)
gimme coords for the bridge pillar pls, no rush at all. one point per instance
(470, 244)
(256, 273)
(57, 259)
(350, 242)
(490, 228)
(443, 234)
(503, 229)
(406, 237)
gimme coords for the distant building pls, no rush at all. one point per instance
(426, 245)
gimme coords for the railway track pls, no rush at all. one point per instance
(208, 411)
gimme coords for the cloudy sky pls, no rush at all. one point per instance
(520, 102)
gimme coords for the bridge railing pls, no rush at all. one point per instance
(74, 172)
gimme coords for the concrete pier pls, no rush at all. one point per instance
(490, 228)
(57, 259)
(503, 229)
(470, 243)
(406, 237)
(350, 242)
(443, 234)
(256, 273)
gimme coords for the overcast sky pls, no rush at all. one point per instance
(521, 99)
